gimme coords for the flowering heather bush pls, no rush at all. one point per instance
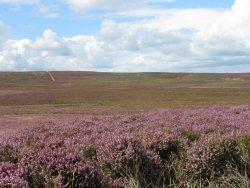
(12, 174)
(164, 147)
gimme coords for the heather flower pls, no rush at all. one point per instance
(95, 151)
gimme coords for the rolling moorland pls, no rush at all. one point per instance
(35, 93)
(88, 129)
(27, 97)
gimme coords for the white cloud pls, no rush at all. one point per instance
(105, 51)
(89, 4)
(110, 4)
(174, 40)
(227, 40)
(232, 24)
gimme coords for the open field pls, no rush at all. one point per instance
(34, 96)
(87, 129)
(77, 92)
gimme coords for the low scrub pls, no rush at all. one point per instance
(170, 148)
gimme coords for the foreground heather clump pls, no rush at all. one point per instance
(180, 147)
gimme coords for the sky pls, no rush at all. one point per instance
(125, 35)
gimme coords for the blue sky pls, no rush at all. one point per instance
(91, 34)
(201, 4)
(26, 23)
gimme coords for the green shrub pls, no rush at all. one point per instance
(172, 148)
(90, 153)
(7, 154)
(191, 135)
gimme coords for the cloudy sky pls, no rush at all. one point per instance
(125, 35)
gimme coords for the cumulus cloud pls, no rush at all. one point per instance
(228, 39)
(174, 41)
(106, 51)
(234, 23)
